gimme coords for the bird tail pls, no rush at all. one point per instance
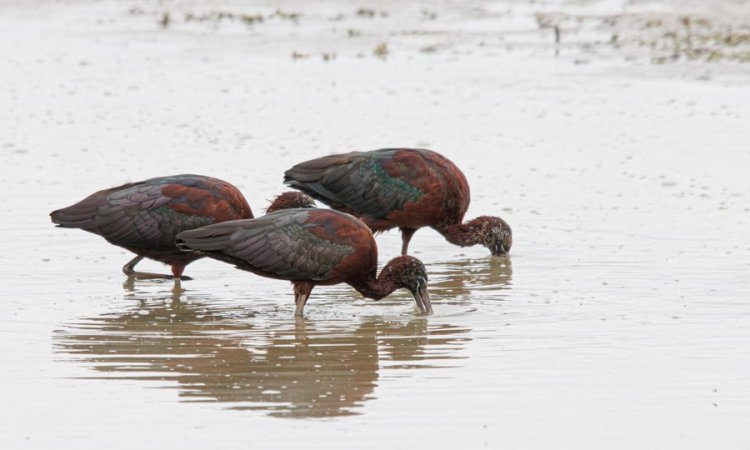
(83, 214)
(211, 238)
(314, 169)
(79, 215)
(308, 178)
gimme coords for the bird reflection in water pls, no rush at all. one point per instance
(285, 368)
(460, 279)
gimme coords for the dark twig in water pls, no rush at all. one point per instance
(164, 21)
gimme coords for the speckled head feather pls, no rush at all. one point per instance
(290, 199)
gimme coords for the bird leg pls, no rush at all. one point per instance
(129, 270)
(302, 291)
(177, 270)
(406, 234)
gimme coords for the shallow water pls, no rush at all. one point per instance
(620, 319)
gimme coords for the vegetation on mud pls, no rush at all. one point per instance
(668, 38)
(658, 38)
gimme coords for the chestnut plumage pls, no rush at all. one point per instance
(310, 247)
(145, 217)
(290, 200)
(404, 188)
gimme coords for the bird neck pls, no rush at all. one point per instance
(378, 287)
(462, 234)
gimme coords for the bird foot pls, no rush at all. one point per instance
(151, 276)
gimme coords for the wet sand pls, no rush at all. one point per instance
(618, 321)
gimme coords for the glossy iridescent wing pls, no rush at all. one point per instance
(149, 214)
(286, 244)
(370, 184)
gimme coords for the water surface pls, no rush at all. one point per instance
(620, 319)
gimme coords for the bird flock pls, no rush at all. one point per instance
(179, 219)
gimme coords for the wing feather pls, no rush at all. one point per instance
(281, 244)
(149, 214)
(357, 182)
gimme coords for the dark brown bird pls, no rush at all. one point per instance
(145, 217)
(401, 187)
(310, 247)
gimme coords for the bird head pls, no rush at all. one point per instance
(409, 272)
(495, 234)
(289, 200)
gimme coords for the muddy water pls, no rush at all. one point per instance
(619, 320)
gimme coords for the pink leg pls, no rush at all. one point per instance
(406, 234)
(302, 291)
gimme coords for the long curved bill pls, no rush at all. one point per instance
(498, 250)
(423, 299)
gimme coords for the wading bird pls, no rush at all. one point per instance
(145, 217)
(401, 187)
(310, 247)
